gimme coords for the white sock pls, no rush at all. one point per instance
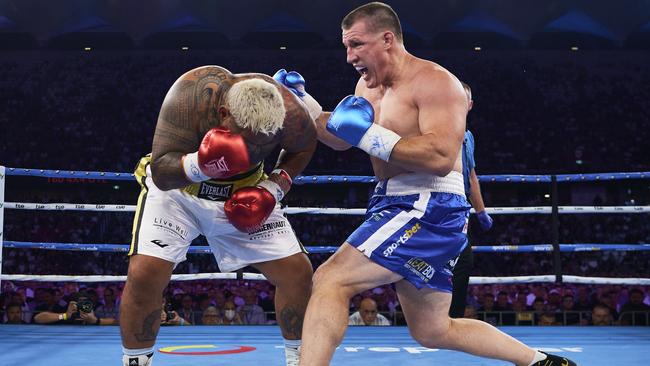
(292, 351)
(137, 357)
(539, 356)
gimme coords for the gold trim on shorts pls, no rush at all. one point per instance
(222, 189)
(140, 175)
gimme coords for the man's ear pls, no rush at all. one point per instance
(223, 112)
(388, 38)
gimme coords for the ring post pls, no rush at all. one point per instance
(2, 210)
(555, 230)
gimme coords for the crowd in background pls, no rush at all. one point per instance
(513, 304)
(534, 112)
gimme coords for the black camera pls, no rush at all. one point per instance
(85, 305)
(170, 315)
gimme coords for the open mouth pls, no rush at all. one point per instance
(362, 70)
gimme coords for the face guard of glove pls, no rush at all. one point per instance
(220, 155)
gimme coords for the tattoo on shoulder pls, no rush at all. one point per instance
(196, 98)
(300, 130)
(177, 111)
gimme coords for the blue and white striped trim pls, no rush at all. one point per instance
(395, 224)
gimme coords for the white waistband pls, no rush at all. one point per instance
(415, 183)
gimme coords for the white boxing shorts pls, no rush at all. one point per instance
(166, 222)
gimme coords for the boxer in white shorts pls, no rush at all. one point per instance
(205, 176)
(172, 219)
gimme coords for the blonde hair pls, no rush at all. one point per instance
(257, 105)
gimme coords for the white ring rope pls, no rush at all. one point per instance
(260, 277)
(334, 210)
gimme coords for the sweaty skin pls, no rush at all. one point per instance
(419, 100)
(192, 107)
(400, 108)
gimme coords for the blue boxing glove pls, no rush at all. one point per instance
(296, 84)
(292, 80)
(352, 121)
(484, 220)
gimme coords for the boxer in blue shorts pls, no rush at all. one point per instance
(408, 114)
(417, 235)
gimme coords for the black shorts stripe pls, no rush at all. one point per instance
(137, 220)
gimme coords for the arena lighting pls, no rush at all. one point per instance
(477, 48)
(547, 195)
(185, 48)
(283, 47)
(574, 48)
(87, 48)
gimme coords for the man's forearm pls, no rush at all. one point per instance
(48, 317)
(475, 198)
(167, 171)
(294, 163)
(326, 137)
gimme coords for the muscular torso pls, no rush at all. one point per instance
(396, 109)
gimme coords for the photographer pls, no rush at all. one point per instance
(79, 312)
(171, 317)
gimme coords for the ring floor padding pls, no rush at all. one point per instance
(61, 345)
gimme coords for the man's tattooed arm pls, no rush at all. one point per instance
(298, 137)
(188, 111)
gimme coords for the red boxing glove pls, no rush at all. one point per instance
(221, 155)
(249, 207)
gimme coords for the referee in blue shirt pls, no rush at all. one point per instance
(463, 267)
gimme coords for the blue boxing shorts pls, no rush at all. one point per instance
(416, 226)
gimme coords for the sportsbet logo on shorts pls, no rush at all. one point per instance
(408, 233)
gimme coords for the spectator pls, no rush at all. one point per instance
(108, 308)
(601, 315)
(171, 317)
(635, 311)
(211, 316)
(554, 300)
(470, 312)
(569, 315)
(487, 311)
(367, 314)
(583, 299)
(250, 312)
(14, 314)
(548, 319)
(503, 305)
(230, 315)
(609, 299)
(49, 303)
(187, 310)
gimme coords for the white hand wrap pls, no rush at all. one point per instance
(379, 142)
(312, 105)
(191, 167)
(279, 186)
(273, 188)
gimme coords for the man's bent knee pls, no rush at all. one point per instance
(145, 271)
(430, 337)
(330, 280)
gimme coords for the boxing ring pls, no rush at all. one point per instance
(54, 345)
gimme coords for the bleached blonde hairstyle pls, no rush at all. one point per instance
(257, 105)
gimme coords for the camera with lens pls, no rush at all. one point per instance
(170, 315)
(85, 305)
